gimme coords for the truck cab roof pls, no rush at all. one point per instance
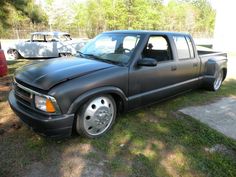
(151, 32)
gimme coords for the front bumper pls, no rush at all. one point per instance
(48, 125)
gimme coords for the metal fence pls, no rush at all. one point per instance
(25, 34)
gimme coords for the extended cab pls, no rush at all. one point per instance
(116, 71)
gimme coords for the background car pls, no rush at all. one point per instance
(46, 45)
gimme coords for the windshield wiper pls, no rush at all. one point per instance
(85, 55)
(81, 54)
(113, 62)
(91, 56)
(106, 60)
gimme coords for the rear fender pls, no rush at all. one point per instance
(212, 66)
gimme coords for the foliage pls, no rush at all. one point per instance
(95, 16)
(20, 14)
(195, 16)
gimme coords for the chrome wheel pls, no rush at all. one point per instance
(98, 115)
(218, 80)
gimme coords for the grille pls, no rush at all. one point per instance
(23, 96)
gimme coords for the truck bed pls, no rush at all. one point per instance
(209, 53)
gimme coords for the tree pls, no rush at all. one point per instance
(95, 16)
(14, 14)
(205, 16)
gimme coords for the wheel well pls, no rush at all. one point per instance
(224, 73)
(13, 49)
(119, 102)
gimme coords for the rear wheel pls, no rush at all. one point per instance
(14, 54)
(96, 117)
(218, 81)
(215, 85)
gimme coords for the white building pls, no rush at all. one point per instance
(225, 27)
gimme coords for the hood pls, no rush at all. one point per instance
(46, 74)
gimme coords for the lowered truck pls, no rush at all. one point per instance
(115, 72)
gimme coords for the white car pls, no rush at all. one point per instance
(46, 45)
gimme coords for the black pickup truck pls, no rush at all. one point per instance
(116, 71)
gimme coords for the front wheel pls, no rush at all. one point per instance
(96, 117)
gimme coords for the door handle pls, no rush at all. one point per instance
(173, 68)
(195, 64)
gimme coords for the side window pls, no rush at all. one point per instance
(182, 47)
(190, 44)
(49, 38)
(157, 48)
(38, 38)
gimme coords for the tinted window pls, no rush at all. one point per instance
(182, 47)
(190, 44)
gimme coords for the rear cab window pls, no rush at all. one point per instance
(184, 47)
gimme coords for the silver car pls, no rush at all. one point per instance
(46, 45)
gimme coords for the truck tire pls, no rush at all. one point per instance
(96, 117)
(14, 54)
(216, 83)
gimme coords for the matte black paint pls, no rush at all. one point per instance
(73, 81)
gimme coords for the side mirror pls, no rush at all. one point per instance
(147, 62)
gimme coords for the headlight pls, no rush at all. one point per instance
(44, 104)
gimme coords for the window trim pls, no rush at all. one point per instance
(190, 42)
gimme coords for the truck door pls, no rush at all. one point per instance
(188, 65)
(149, 84)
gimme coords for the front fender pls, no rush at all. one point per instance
(78, 102)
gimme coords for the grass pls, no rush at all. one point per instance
(153, 141)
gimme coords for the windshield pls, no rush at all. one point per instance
(116, 48)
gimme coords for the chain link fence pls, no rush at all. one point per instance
(25, 34)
